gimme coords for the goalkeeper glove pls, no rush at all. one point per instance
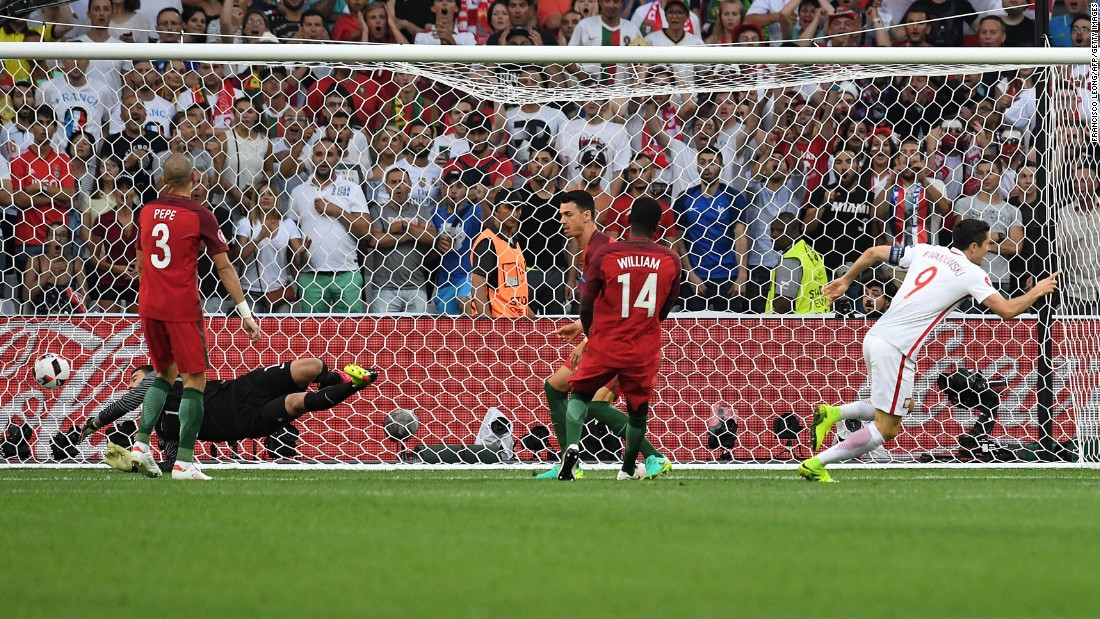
(89, 428)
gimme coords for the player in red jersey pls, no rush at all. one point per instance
(629, 287)
(578, 214)
(172, 229)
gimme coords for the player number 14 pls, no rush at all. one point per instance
(647, 296)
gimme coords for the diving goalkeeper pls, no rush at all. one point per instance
(251, 406)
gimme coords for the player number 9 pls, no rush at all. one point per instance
(923, 279)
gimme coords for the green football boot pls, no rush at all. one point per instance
(655, 466)
(814, 470)
(825, 417)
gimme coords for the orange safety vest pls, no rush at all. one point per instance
(509, 299)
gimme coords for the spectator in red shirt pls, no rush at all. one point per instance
(640, 175)
(43, 187)
(499, 170)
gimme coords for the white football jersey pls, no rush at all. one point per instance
(938, 279)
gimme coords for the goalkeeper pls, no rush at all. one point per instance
(578, 222)
(254, 405)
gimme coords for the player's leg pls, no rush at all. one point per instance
(603, 410)
(298, 404)
(636, 385)
(557, 400)
(189, 343)
(160, 352)
(892, 376)
(826, 416)
(575, 413)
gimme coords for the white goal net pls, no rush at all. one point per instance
(410, 160)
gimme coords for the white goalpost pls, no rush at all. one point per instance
(862, 146)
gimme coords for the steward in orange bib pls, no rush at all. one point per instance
(498, 277)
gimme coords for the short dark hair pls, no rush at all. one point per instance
(709, 150)
(644, 216)
(148, 369)
(582, 199)
(968, 232)
(313, 13)
(44, 112)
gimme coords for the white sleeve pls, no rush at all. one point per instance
(979, 286)
(357, 201)
(1022, 110)
(292, 229)
(244, 228)
(576, 39)
(902, 255)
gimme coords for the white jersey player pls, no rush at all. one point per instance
(938, 279)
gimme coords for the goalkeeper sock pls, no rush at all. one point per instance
(557, 402)
(617, 421)
(324, 399)
(635, 434)
(327, 377)
(862, 441)
(862, 410)
(575, 414)
(151, 408)
(191, 412)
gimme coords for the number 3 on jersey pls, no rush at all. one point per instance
(160, 236)
(647, 296)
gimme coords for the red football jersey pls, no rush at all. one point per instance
(54, 170)
(615, 219)
(171, 230)
(630, 282)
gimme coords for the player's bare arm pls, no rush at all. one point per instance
(586, 314)
(228, 274)
(569, 332)
(871, 257)
(1011, 308)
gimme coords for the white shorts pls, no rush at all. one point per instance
(892, 375)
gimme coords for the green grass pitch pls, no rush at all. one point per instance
(452, 543)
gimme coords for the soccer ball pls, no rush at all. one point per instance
(401, 424)
(51, 371)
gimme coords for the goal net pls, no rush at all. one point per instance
(351, 194)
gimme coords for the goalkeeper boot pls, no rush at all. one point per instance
(578, 473)
(142, 462)
(359, 376)
(825, 417)
(655, 466)
(188, 470)
(569, 462)
(814, 470)
(639, 473)
(118, 457)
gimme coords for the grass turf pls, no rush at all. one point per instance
(882, 543)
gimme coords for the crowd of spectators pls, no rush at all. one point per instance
(347, 189)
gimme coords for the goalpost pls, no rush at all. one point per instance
(736, 385)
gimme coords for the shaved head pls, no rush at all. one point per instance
(177, 171)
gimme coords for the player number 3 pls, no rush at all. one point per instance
(160, 236)
(647, 296)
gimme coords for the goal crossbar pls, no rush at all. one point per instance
(309, 52)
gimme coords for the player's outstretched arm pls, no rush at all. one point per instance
(118, 407)
(870, 258)
(1011, 308)
(570, 331)
(232, 283)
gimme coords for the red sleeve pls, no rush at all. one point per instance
(211, 234)
(668, 221)
(506, 169)
(346, 28)
(677, 275)
(592, 278)
(68, 181)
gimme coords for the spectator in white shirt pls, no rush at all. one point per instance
(442, 31)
